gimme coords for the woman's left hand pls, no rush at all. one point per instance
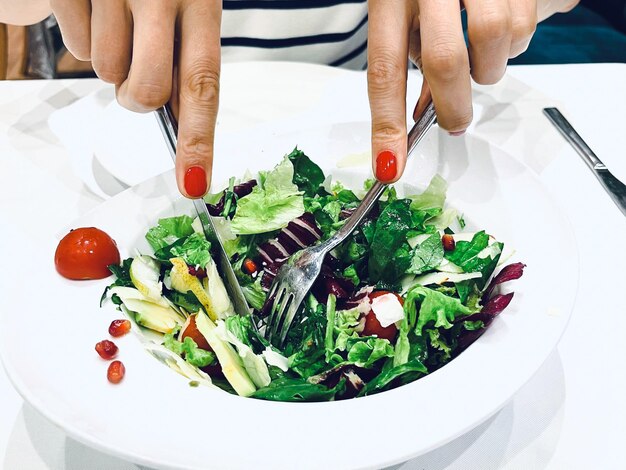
(429, 32)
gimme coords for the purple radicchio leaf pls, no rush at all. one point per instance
(508, 273)
(240, 190)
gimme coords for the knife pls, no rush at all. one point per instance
(613, 186)
(169, 128)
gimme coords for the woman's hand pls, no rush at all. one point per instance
(429, 32)
(154, 51)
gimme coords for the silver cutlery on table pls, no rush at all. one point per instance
(296, 277)
(614, 187)
(169, 128)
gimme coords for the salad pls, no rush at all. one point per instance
(407, 292)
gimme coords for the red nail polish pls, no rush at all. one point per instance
(195, 181)
(456, 133)
(386, 166)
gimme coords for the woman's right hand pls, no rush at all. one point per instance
(155, 51)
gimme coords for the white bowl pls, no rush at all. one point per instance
(155, 418)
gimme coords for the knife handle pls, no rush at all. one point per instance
(574, 138)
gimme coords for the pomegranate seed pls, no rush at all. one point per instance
(106, 349)
(448, 242)
(250, 266)
(198, 272)
(119, 328)
(115, 372)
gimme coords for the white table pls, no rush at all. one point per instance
(571, 415)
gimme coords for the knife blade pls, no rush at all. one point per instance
(614, 187)
(169, 128)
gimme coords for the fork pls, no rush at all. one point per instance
(296, 277)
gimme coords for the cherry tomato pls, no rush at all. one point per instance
(191, 330)
(86, 253)
(373, 326)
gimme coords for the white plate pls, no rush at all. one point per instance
(154, 418)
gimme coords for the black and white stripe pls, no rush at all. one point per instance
(332, 32)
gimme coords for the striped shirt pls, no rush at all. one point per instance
(331, 32)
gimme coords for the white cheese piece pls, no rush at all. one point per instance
(449, 267)
(418, 239)
(275, 359)
(440, 278)
(387, 309)
(490, 252)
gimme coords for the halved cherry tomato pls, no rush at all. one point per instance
(373, 326)
(86, 253)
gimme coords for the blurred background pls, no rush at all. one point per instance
(595, 31)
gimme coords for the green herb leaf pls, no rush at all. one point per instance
(390, 234)
(188, 301)
(287, 389)
(306, 174)
(427, 255)
(122, 275)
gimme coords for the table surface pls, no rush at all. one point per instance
(570, 415)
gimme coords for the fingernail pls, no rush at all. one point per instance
(195, 181)
(456, 133)
(386, 166)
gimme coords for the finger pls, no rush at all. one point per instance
(111, 40)
(74, 19)
(387, 56)
(149, 82)
(446, 63)
(198, 95)
(524, 16)
(489, 30)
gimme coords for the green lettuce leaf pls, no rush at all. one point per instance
(169, 230)
(365, 351)
(188, 348)
(346, 324)
(433, 197)
(329, 343)
(437, 341)
(195, 250)
(254, 294)
(306, 174)
(436, 309)
(384, 379)
(271, 205)
(427, 255)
